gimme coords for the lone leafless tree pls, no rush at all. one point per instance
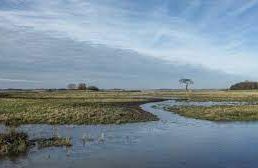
(186, 82)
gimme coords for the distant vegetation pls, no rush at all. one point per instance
(186, 82)
(93, 88)
(81, 86)
(71, 86)
(247, 85)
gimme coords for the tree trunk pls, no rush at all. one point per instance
(186, 87)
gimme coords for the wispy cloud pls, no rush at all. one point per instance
(19, 80)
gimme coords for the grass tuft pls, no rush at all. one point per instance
(13, 143)
(54, 142)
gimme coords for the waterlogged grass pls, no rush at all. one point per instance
(13, 143)
(54, 142)
(219, 113)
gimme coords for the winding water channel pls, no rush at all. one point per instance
(174, 141)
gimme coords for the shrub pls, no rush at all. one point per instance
(94, 88)
(81, 86)
(244, 86)
(71, 86)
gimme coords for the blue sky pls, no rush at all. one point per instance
(127, 43)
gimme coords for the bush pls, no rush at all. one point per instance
(94, 88)
(71, 86)
(244, 86)
(81, 86)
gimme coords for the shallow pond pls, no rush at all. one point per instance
(174, 141)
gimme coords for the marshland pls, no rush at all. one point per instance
(127, 83)
(107, 107)
(82, 124)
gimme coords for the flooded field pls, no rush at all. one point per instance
(173, 141)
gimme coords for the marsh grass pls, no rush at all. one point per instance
(15, 111)
(54, 142)
(219, 113)
(13, 143)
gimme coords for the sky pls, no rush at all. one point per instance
(127, 43)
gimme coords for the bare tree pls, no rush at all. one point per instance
(186, 82)
(81, 86)
(71, 86)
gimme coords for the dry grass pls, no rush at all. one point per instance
(72, 107)
(105, 107)
(56, 111)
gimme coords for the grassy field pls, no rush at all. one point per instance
(106, 107)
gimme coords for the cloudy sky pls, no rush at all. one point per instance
(127, 43)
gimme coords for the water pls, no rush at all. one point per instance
(174, 141)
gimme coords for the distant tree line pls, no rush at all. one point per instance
(81, 86)
(246, 85)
